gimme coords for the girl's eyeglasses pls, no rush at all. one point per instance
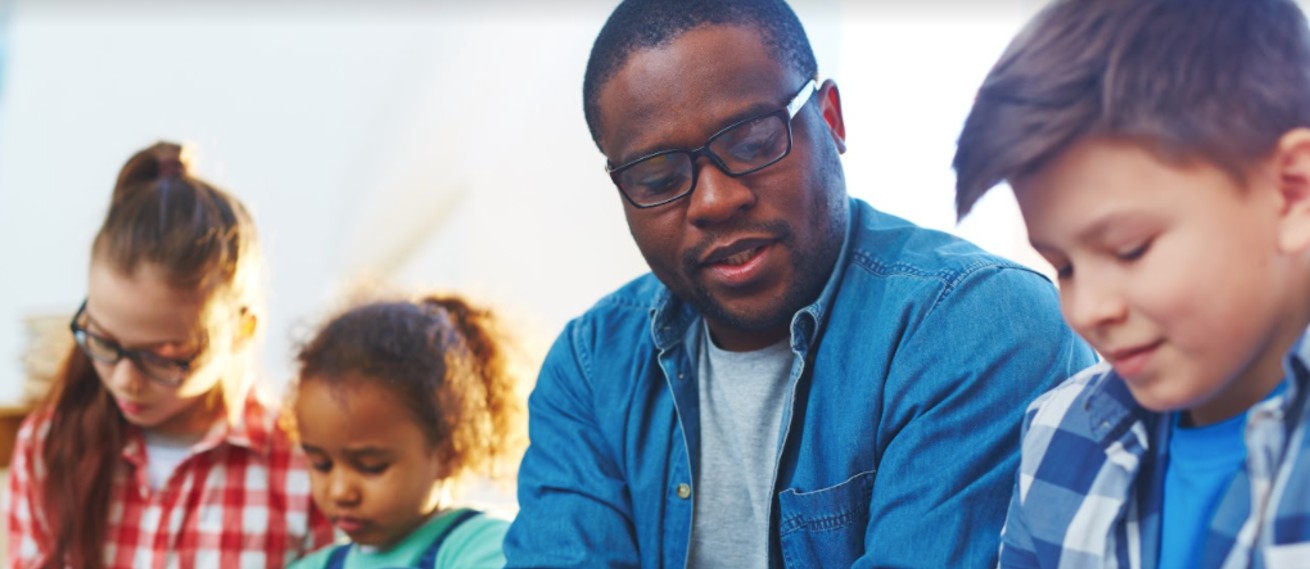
(169, 372)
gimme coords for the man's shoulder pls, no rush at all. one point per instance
(633, 301)
(893, 262)
(639, 295)
(890, 246)
(621, 318)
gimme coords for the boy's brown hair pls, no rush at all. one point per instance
(1214, 80)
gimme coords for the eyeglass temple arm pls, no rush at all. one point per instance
(801, 98)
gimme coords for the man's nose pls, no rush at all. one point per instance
(717, 197)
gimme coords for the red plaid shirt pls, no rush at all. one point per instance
(241, 499)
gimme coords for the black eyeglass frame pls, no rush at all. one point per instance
(80, 335)
(787, 113)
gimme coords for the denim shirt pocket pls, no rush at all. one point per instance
(826, 527)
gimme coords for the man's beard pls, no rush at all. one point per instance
(810, 269)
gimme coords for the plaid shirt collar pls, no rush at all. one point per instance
(252, 430)
(1088, 508)
(1112, 411)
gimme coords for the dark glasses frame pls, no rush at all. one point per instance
(180, 367)
(787, 114)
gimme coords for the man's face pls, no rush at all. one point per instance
(749, 251)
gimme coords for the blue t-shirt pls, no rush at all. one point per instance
(1202, 464)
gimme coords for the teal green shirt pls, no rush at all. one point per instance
(475, 544)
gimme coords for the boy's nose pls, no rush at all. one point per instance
(1089, 306)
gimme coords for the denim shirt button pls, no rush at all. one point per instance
(684, 491)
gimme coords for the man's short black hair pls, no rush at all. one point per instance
(642, 24)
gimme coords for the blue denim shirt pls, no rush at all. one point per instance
(899, 439)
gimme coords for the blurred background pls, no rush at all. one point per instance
(431, 144)
(434, 144)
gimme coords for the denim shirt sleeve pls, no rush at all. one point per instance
(572, 496)
(1017, 549)
(955, 399)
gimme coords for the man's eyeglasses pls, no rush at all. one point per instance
(169, 372)
(738, 149)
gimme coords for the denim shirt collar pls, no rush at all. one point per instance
(671, 318)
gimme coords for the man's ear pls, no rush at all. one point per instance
(830, 106)
(1292, 163)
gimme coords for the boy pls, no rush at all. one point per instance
(1160, 154)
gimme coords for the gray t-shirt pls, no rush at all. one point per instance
(742, 396)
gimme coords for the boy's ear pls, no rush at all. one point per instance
(1292, 160)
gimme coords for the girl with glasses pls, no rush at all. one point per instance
(153, 448)
(396, 403)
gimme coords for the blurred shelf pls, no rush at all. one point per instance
(11, 418)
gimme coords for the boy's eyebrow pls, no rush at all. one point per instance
(1116, 220)
(1095, 230)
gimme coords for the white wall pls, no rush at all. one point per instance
(438, 146)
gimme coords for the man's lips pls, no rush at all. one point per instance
(734, 253)
(737, 268)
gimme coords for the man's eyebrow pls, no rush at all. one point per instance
(750, 112)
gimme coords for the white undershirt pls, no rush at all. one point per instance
(164, 453)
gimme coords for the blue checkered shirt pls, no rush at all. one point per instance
(1091, 479)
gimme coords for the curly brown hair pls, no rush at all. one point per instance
(445, 360)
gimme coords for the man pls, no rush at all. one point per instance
(802, 381)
